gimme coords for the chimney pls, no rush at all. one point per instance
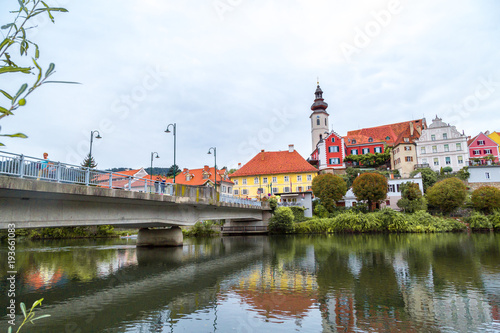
(205, 168)
(419, 130)
(290, 149)
(487, 133)
(262, 150)
(239, 165)
(411, 128)
(185, 170)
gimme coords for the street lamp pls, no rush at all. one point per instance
(174, 132)
(215, 166)
(92, 140)
(153, 155)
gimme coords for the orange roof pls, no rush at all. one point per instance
(406, 134)
(385, 133)
(275, 162)
(199, 177)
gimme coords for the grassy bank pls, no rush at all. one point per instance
(103, 231)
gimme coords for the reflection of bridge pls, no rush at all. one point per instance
(29, 202)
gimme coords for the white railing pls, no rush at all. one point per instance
(236, 200)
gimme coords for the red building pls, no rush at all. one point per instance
(481, 146)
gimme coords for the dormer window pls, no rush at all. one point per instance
(480, 142)
(353, 141)
(406, 139)
(387, 138)
(205, 176)
(188, 177)
(370, 139)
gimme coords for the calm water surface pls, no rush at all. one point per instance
(354, 283)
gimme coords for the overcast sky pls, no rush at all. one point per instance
(240, 75)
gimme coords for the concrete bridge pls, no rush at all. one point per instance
(31, 203)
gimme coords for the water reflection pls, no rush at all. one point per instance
(351, 283)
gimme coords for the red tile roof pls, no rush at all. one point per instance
(386, 133)
(275, 162)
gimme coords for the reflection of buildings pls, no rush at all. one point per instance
(44, 277)
(275, 293)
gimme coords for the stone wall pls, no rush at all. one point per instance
(475, 186)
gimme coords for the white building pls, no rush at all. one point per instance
(394, 190)
(441, 145)
(484, 175)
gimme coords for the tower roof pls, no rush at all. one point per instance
(319, 104)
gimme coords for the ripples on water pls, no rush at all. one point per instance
(395, 283)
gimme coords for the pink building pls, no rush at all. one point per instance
(481, 146)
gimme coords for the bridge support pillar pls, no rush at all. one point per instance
(160, 237)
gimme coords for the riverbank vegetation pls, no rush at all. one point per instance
(102, 231)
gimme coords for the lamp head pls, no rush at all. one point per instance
(209, 152)
(167, 130)
(98, 136)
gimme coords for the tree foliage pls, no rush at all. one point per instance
(16, 36)
(447, 194)
(411, 198)
(329, 188)
(370, 187)
(89, 162)
(486, 199)
(282, 221)
(429, 177)
(174, 169)
(371, 160)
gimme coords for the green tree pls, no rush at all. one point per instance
(174, 169)
(329, 188)
(89, 162)
(463, 173)
(282, 221)
(17, 36)
(370, 187)
(411, 198)
(486, 199)
(447, 194)
(429, 177)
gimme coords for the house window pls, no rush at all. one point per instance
(236, 192)
(286, 179)
(391, 188)
(366, 151)
(236, 182)
(353, 141)
(448, 160)
(480, 142)
(459, 146)
(434, 149)
(224, 189)
(487, 151)
(397, 188)
(333, 139)
(230, 190)
(275, 179)
(256, 180)
(334, 161)
(377, 150)
(445, 136)
(326, 123)
(370, 139)
(299, 189)
(433, 137)
(309, 178)
(460, 160)
(424, 161)
(264, 180)
(406, 140)
(260, 190)
(422, 150)
(244, 191)
(317, 123)
(299, 178)
(409, 158)
(354, 152)
(487, 175)
(244, 182)
(275, 190)
(407, 148)
(436, 161)
(477, 152)
(446, 148)
(205, 176)
(333, 149)
(387, 138)
(286, 189)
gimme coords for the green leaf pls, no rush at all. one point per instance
(37, 52)
(5, 111)
(20, 91)
(23, 308)
(6, 94)
(25, 70)
(21, 136)
(39, 72)
(2, 145)
(5, 42)
(39, 302)
(40, 317)
(50, 69)
(9, 330)
(7, 26)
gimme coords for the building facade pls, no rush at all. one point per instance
(319, 118)
(441, 145)
(404, 152)
(484, 175)
(273, 172)
(482, 146)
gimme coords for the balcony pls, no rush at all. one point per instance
(421, 166)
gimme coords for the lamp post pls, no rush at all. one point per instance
(92, 140)
(215, 166)
(153, 155)
(174, 132)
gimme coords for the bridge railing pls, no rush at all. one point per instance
(35, 168)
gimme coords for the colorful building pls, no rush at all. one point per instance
(205, 177)
(404, 151)
(273, 172)
(482, 146)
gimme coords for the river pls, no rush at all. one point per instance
(336, 283)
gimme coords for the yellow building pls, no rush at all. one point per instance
(495, 136)
(273, 172)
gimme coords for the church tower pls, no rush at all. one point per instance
(319, 118)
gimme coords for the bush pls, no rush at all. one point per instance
(201, 229)
(478, 221)
(320, 211)
(447, 195)
(282, 221)
(495, 220)
(273, 203)
(411, 198)
(298, 213)
(486, 199)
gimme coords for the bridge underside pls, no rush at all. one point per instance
(35, 204)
